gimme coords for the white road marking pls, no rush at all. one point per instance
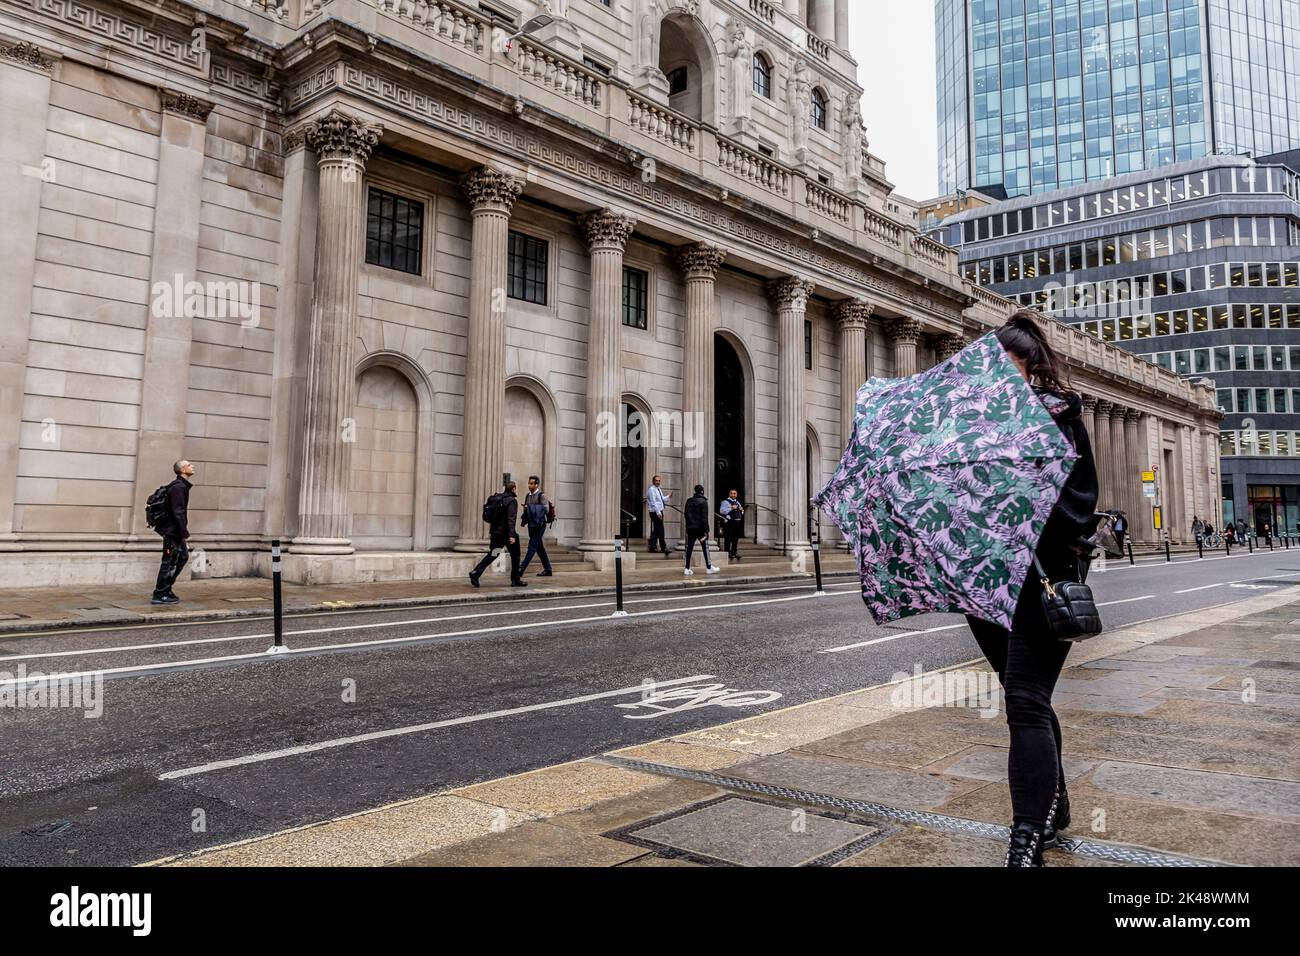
(890, 637)
(409, 622)
(1240, 583)
(393, 641)
(643, 688)
(1145, 597)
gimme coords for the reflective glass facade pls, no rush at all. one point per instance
(1195, 267)
(1055, 93)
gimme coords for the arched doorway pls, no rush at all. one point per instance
(383, 479)
(686, 58)
(813, 464)
(729, 420)
(635, 437)
(525, 428)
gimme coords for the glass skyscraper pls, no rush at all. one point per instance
(1040, 95)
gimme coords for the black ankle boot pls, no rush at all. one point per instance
(1026, 846)
(1058, 819)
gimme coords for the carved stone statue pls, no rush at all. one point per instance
(648, 35)
(742, 71)
(854, 138)
(799, 96)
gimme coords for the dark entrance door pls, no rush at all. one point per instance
(632, 517)
(729, 423)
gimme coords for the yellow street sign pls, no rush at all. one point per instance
(1158, 517)
(1148, 476)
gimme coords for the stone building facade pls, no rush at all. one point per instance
(356, 259)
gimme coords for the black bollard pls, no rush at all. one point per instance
(277, 607)
(1250, 542)
(817, 558)
(1200, 547)
(618, 579)
(1131, 561)
(1168, 557)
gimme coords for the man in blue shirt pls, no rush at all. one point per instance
(656, 501)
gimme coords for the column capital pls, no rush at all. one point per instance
(1090, 404)
(853, 313)
(606, 229)
(489, 189)
(948, 344)
(1118, 411)
(790, 292)
(1104, 407)
(1133, 416)
(904, 331)
(341, 136)
(183, 104)
(700, 260)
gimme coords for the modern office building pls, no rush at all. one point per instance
(1195, 267)
(1040, 95)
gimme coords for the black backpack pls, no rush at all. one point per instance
(158, 509)
(492, 508)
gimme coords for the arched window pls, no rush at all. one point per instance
(819, 110)
(762, 76)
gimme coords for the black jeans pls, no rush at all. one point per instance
(496, 543)
(1028, 661)
(536, 546)
(703, 539)
(731, 534)
(174, 558)
(657, 532)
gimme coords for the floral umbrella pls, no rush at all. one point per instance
(946, 484)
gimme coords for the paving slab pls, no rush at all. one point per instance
(532, 844)
(748, 833)
(852, 779)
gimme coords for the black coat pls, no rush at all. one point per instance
(697, 513)
(507, 515)
(178, 502)
(1072, 518)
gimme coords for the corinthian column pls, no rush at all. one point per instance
(1119, 459)
(904, 333)
(1101, 453)
(852, 315)
(946, 346)
(606, 233)
(491, 194)
(699, 264)
(790, 296)
(342, 144)
(1135, 465)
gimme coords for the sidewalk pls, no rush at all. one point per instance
(1181, 746)
(226, 598)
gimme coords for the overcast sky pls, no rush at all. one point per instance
(893, 42)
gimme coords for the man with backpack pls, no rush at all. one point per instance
(501, 512)
(732, 513)
(167, 512)
(697, 514)
(539, 513)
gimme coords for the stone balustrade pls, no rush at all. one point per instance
(883, 229)
(828, 203)
(449, 22)
(661, 124)
(560, 75)
(753, 167)
(764, 11)
(818, 47)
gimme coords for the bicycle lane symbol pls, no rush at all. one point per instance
(676, 700)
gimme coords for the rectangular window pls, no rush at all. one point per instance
(636, 284)
(394, 231)
(527, 267)
(807, 344)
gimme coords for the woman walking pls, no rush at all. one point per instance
(1027, 658)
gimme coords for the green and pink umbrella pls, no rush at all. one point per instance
(946, 485)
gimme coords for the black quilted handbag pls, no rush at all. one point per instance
(1069, 607)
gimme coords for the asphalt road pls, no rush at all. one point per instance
(198, 724)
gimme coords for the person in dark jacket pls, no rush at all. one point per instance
(536, 518)
(175, 529)
(697, 514)
(1027, 659)
(505, 518)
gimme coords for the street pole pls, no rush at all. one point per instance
(618, 579)
(277, 607)
(814, 527)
